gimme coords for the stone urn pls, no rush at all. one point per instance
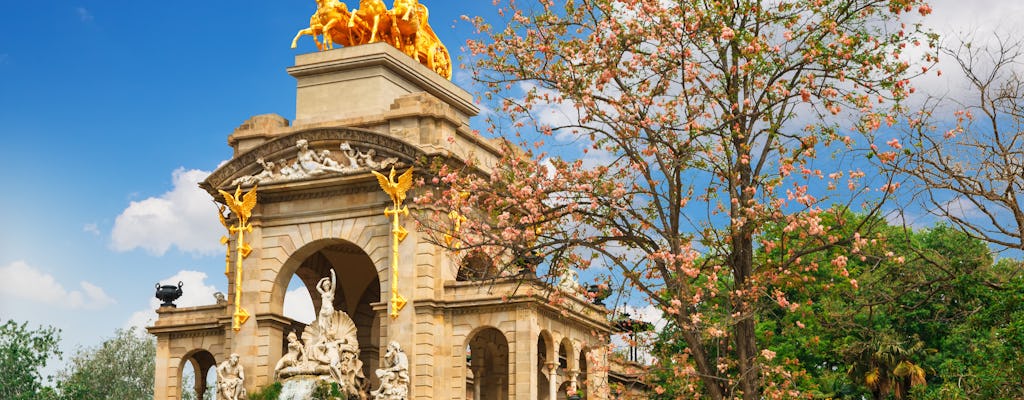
(599, 293)
(168, 294)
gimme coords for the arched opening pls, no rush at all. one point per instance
(198, 376)
(566, 364)
(581, 378)
(488, 362)
(358, 287)
(563, 391)
(545, 345)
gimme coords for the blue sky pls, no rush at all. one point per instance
(110, 112)
(111, 108)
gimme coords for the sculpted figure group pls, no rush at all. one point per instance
(309, 163)
(329, 348)
(404, 26)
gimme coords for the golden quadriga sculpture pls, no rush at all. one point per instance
(403, 26)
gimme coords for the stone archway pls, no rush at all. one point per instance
(202, 362)
(566, 367)
(545, 362)
(582, 377)
(358, 288)
(488, 352)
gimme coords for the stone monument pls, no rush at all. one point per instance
(314, 213)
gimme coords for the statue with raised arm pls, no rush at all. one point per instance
(325, 319)
(330, 350)
(230, 380)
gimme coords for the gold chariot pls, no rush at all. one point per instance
(403, 26)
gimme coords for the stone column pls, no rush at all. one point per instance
(502, 387)
(200, 380)
(552, 380)
(571, 375)
(478, 375)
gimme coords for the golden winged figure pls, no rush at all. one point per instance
(395, 189)
(240, 205)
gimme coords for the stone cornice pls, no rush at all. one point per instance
(203, 328)
(519, 301)
(275, 319)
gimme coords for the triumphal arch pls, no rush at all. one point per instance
(301, 201)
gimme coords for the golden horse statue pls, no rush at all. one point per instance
(404, 26)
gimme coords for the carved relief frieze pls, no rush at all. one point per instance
(309, 163)
(301, 156)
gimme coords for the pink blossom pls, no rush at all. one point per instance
(727, 33)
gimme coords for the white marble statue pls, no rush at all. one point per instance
(266, 175)
(394, 378)
(325, 319)
(296, 354)
(329, 348)
(310, 163)
(351, 154)
(568, 281)
(230, 380)
(367, 160)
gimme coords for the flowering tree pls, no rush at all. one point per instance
(698, 123)
(972, 172)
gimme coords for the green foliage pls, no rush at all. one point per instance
(23, 352)
(121, 368)
(924, 314)
(931, 317)
(326, 391)
(188, 388)
(271, 392)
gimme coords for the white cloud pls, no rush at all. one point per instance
(910, 219)
(185, 217)
(648, 313)
(91, 228)
(22, 282)
(978, 21)
(194, 292)
(962, 208)
(84, 14)
(622, 342)
(298, 305)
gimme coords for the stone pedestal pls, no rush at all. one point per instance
(361, 81)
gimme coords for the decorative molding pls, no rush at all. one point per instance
(383, 145)
(197, 333)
